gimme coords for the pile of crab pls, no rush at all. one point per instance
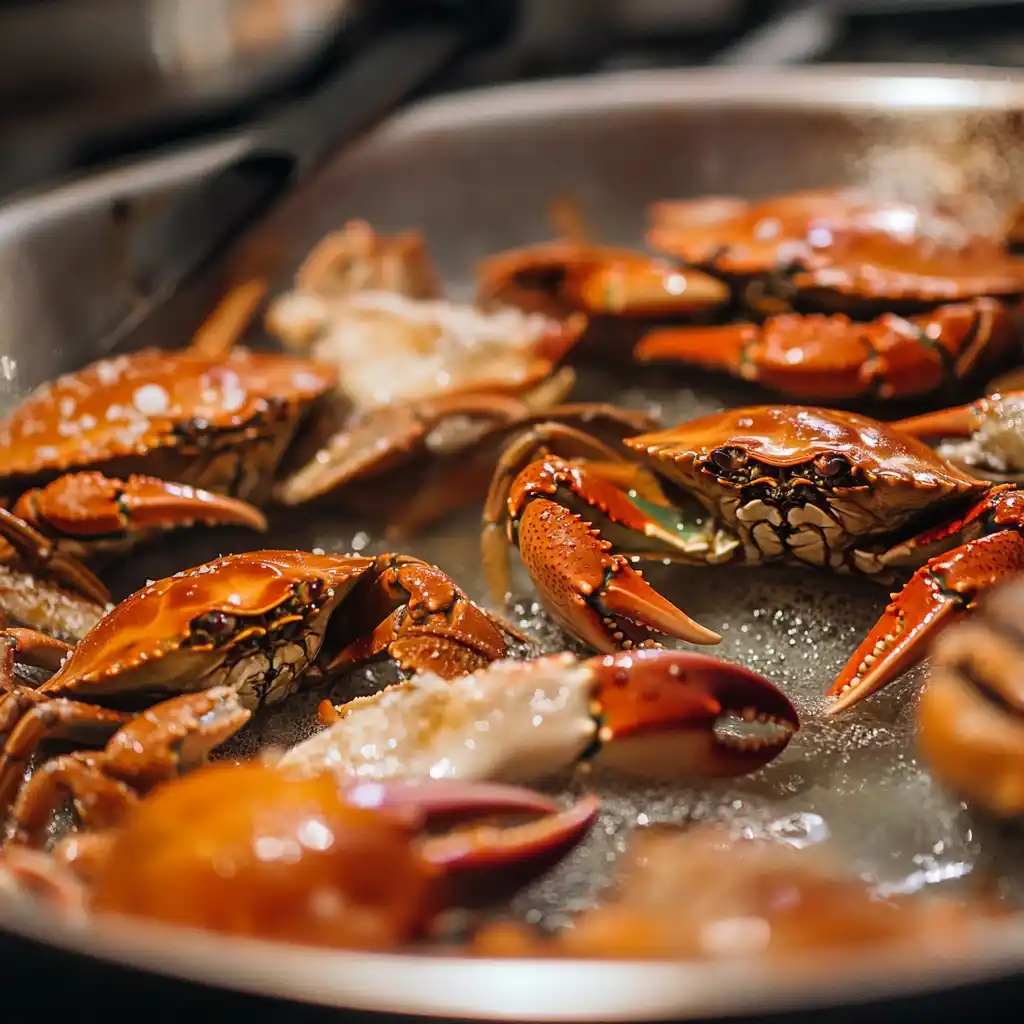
(409, 802)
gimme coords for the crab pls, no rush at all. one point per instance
(270, 856)
(970, 718)
(255, 622)
(149, 800)
(703, 894)
(425, 385)
(209, 431)
(652, 713)
(797, 484)
(832, 295)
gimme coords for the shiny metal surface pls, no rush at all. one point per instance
(476, 172)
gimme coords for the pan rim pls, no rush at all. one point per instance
(867, 87)
(564, 990)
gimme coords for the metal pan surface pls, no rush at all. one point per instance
(476, 172)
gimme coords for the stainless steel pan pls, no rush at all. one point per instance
(476, 173)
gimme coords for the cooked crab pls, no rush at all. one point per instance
(930, 302)
(250, 850)
(703, 895)
(971, 713)
(424, 384)
(804, 485)
(652, 713)
(206, 432)
(255, 622)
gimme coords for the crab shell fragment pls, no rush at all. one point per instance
(652, 713)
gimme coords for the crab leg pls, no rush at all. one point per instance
(158, 744)
(558, 278)
(584, 582)
(81, 511)
(230, 319)
(40, 718)
(941, 591)
(958, 421)
(832, 357)
(45, 558)
(33, 648)
(420, 617)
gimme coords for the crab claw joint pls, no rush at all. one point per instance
(671, 714)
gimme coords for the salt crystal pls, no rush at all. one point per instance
(151, 399)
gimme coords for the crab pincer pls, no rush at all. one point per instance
(88, 511)
(586, 584)
(653, 713)
(948, 585)
(470, 853)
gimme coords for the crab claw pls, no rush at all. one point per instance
(85, 509)
(936, 595)
(658, 710)
(595, 594)
(477, 857)
(485, 863)
(490, 846)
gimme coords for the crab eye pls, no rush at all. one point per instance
(312, 590)
(219, 624)
(729, 458)
(832, 465)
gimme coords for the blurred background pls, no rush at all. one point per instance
(87, 81)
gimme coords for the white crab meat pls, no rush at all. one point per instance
(515, 722)
(391, 348)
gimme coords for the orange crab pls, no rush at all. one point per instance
(256, 622)
(137, 444)
(261, 852)
(833, 295)
(805, 485)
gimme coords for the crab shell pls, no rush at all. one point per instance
(222, 422)
(252, 621)
(873, 477)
